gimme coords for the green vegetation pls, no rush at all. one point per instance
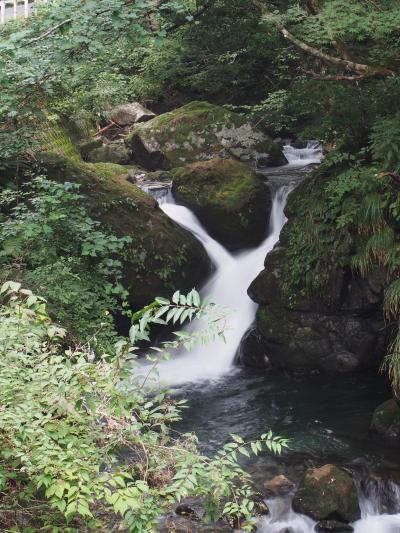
(83, 441)
(96, 247)
(228, 198)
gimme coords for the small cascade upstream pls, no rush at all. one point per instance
(283, 519)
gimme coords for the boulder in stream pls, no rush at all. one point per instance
(232, 203)
(386, 419)
(200, 131)
(327, 493)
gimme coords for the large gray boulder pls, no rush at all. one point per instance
(200, 131)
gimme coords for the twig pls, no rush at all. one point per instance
(50, 31)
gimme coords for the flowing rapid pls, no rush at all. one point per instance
(226, 402)
(232, 275)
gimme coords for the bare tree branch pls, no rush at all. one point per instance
(360, 68)
(50, 31)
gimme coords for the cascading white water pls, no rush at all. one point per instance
(227, 287)
(283, 519)
(309, 155)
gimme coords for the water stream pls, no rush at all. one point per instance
(328, 421)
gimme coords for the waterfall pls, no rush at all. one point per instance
(233, 274)
(226, 287)
(283, 519)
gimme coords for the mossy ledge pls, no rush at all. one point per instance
(162, 256)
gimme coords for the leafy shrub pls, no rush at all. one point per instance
(48, 240)
(84, 442)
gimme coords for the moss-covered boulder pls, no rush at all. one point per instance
(386, 419)
(228, 198)
(197, 132)
(327, 493)
(163, 256)
(116, 153)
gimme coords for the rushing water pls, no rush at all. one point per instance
(328, 421)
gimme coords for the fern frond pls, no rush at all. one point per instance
(391, 363)
(391, 302)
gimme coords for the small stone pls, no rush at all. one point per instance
(128, 114)
(332, 526)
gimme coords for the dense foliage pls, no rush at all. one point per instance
(325, 69)
(83, 439)
(49, 242)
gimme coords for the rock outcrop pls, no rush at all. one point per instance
(229, 199)
(327, 493)
(116, 153)
(197, 132)
(337, 329)
(162, 256)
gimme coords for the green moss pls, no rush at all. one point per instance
(227, 197)
(219, 182)
(196, 132)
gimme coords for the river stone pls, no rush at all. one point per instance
(228, 198)
(179, 524)
(252, 352)
(162, 256)
(386, 419)
(327, 492)
(332, 526)
(197, 132)
(116, 153)
(128, 114)
(279, 486)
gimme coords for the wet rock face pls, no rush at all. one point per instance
(200, 131)
(252, 352)
(386, 419)
(228, 198)
(327, 493)
(305, 333)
